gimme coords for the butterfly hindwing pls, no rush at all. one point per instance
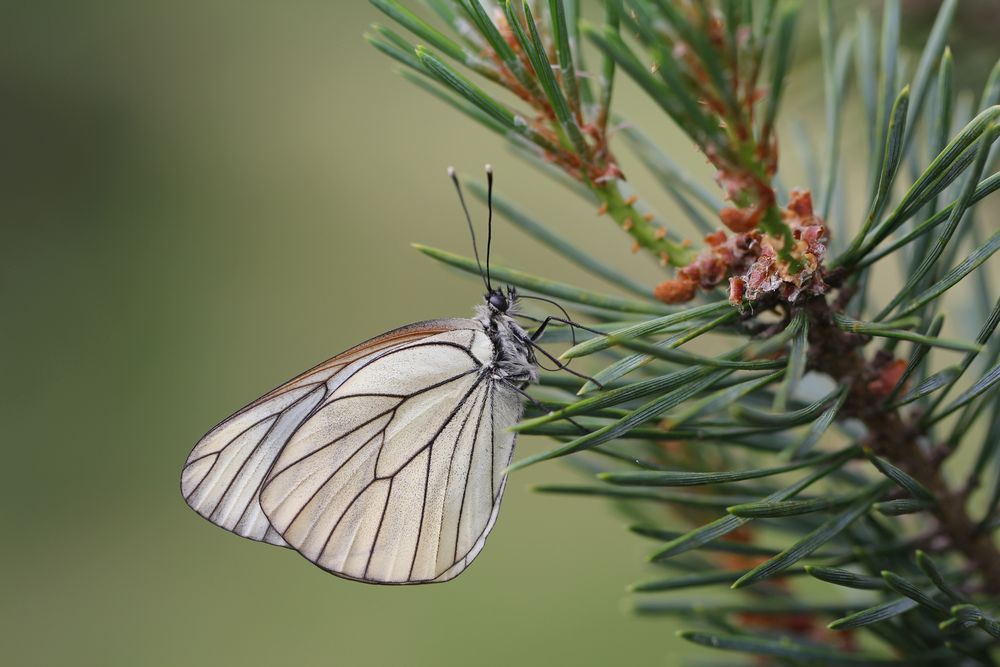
(392, 479)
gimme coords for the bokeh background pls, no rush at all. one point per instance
(200, 199)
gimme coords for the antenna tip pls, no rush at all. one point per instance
(489, 169)
(451, 172)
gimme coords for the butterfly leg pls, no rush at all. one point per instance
(531, 340)
(560, 365)
(537, 333)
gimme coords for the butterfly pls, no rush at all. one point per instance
(385, 464)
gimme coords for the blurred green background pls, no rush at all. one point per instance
(200, 200)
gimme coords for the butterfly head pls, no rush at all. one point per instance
(497, 301)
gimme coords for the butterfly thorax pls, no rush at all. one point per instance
(513, 359)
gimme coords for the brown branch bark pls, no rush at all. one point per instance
(895, 438)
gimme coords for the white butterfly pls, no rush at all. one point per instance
(384, 464)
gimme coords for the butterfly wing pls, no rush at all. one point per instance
(397, 476)
(383, 465)
(222, 477)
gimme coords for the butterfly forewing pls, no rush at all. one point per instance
(384, 464)
(224, 472)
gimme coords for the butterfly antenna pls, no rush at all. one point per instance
(489, 223)
(472, 230)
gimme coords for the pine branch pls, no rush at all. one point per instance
(831, 409)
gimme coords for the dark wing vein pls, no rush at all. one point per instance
(337, 469)
(378, 530)
(354, 429)
(468, 471)
(340, 518)
(425, 448)
(493, 446)
(239, 471)
(444, 424)
(275, 420)
(423, 505)
(236, 437)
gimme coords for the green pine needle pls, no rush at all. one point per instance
(824, 350)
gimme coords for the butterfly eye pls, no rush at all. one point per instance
(498, 301)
